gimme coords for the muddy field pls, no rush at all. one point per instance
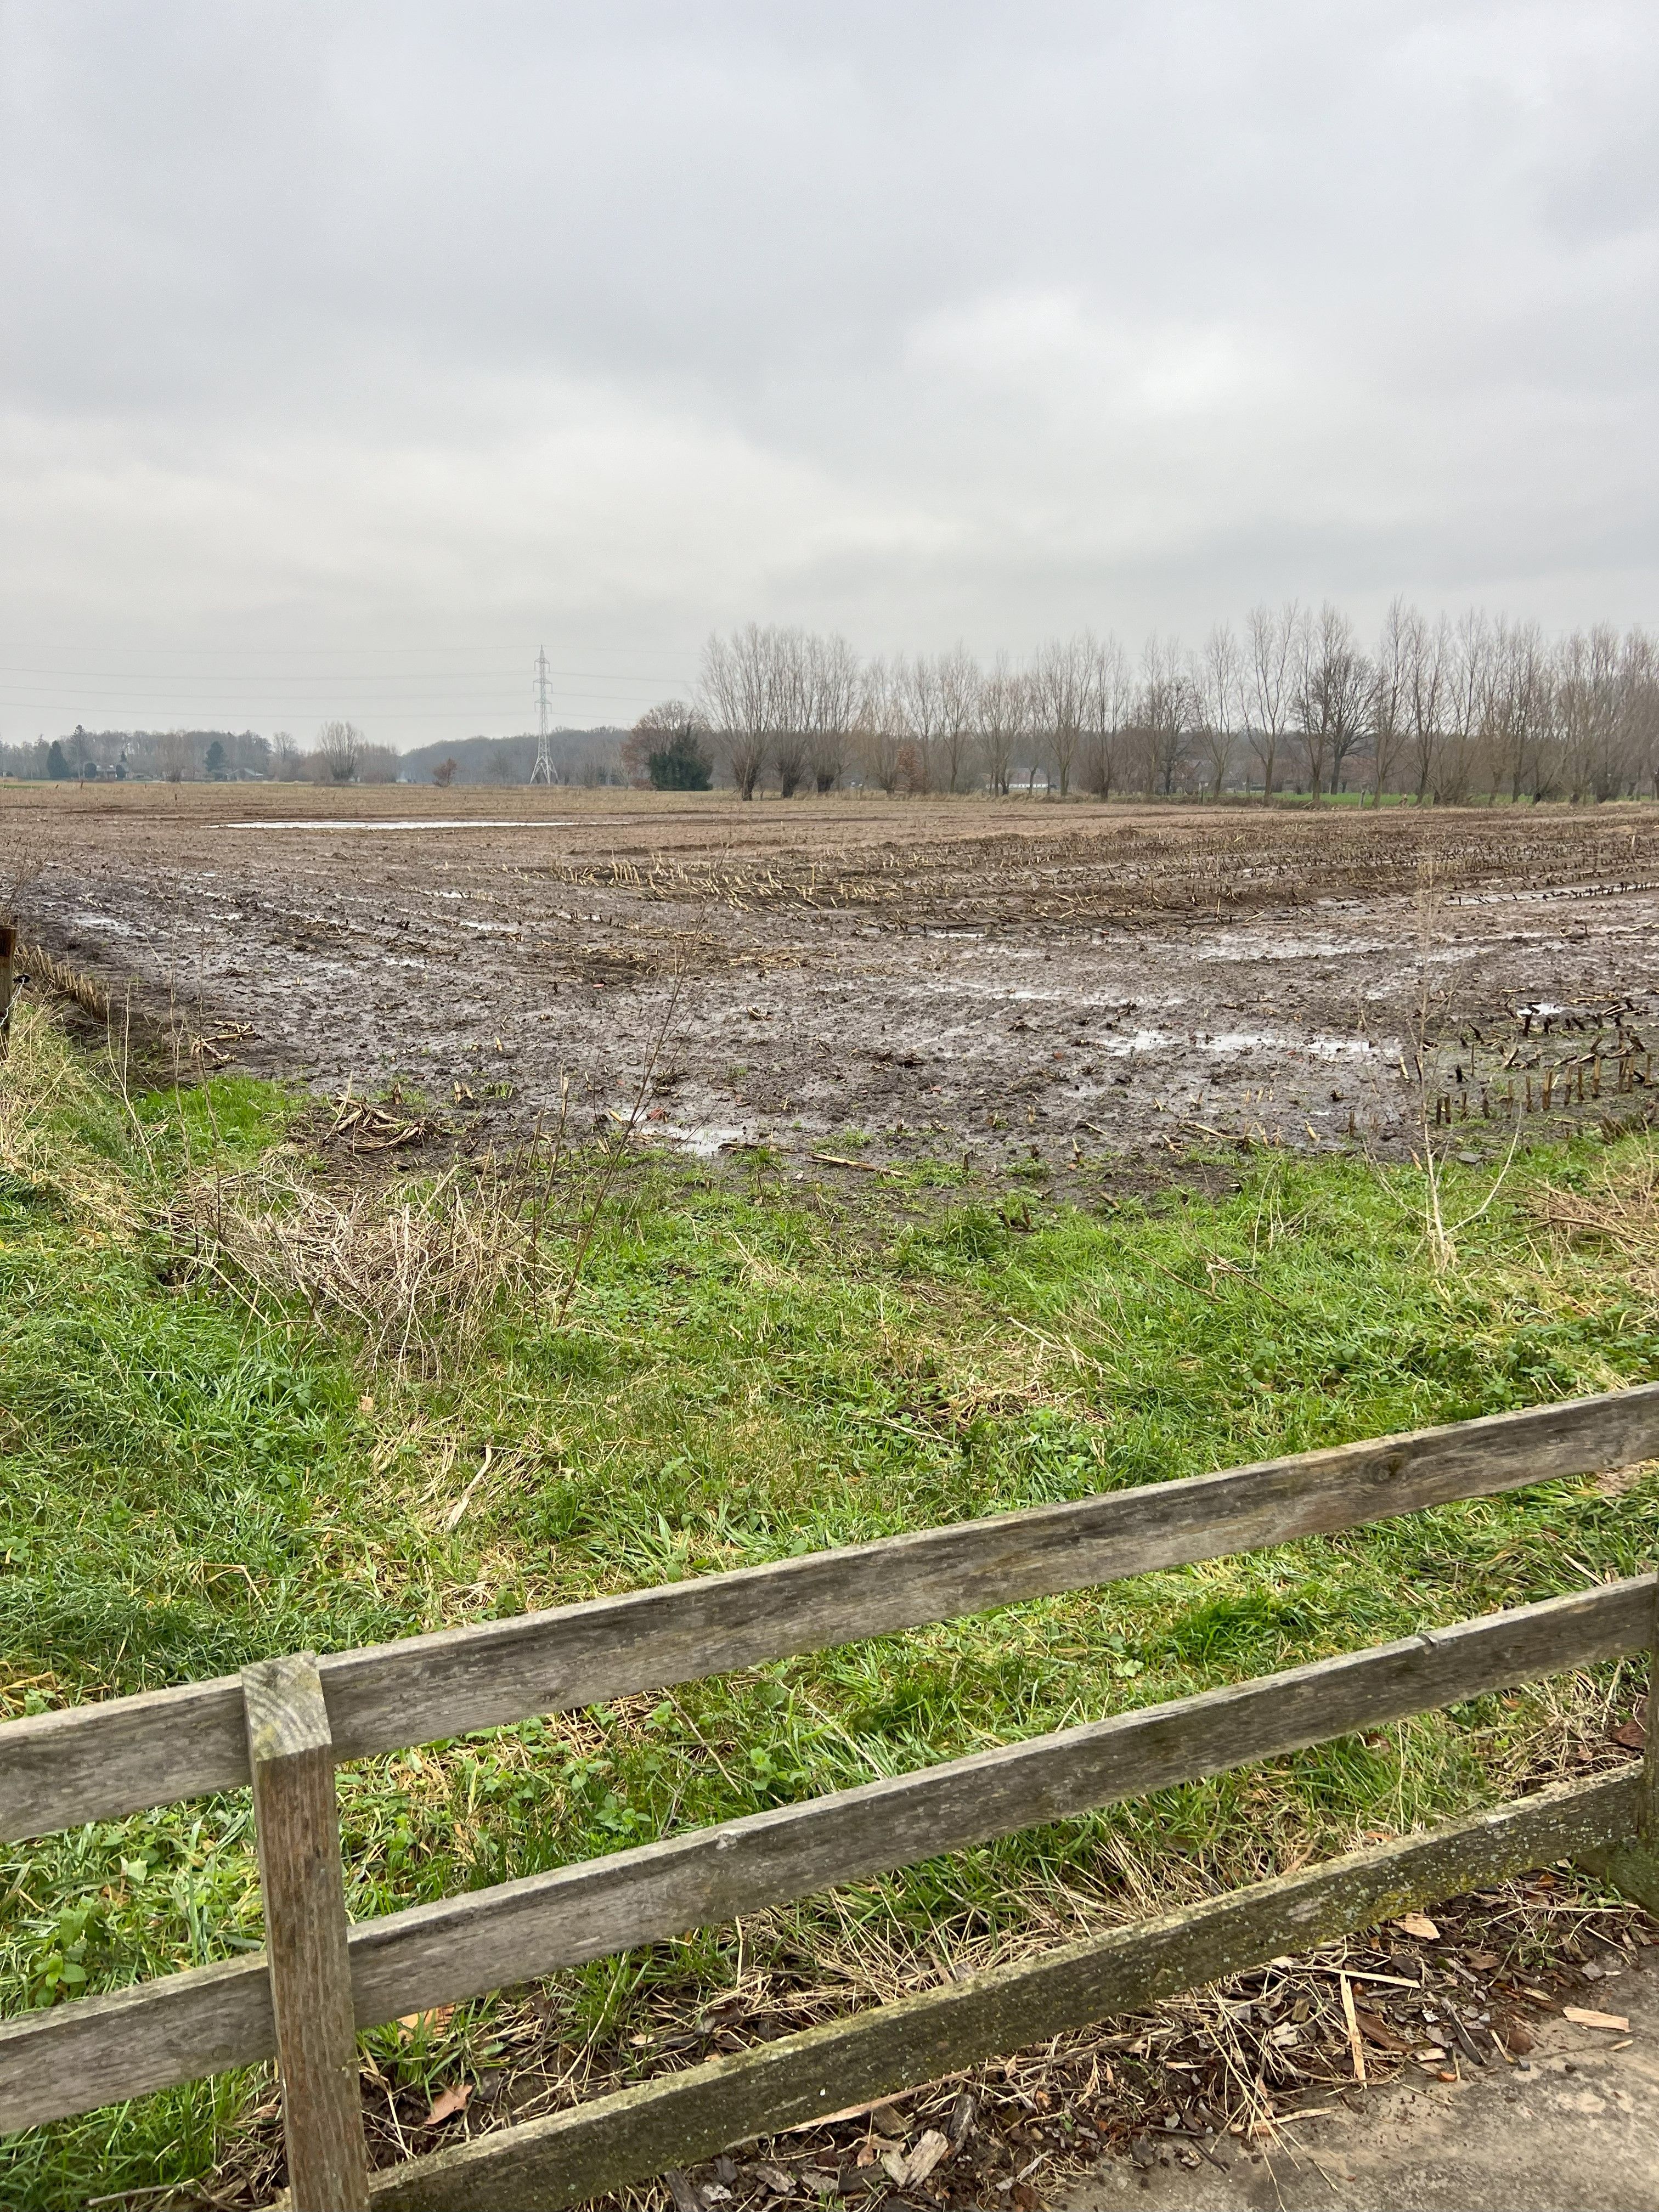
(1005, 985)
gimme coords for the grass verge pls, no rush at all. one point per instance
(201, 1467)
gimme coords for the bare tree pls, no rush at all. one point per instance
(789, 707)
(833, 711)
(444, 774)
(1270, 674)
(339, 748)
(920, 699)
(1004, 709)
(1517, 712)
(1059, 687)
(880, 731)
(176, 755)
(735, 696)
(1639, 709)
(1465, 685)
(1220, 695)
(1428, 656)
(1165, 712)
(1588, 719)
(284, 756)
(1391, 693)
(1108, 695)
(1332, 689)
(958, 686)
(378, 764)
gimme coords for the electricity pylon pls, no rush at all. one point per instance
(543, 771)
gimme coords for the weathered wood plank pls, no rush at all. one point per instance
(8, 980)
(503, 1671)
(461, 1946)
(570, 2157)
(96, 1762)
(292, 1755)
(64, 2060)
(102, 2050)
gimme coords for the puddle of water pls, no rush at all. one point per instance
(1322, 1048)
(1124, 1043)
(399, 822)
(707, 1138)
(105, 925)
(1243, 944)
(1122, 1046)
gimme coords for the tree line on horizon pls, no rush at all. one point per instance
(1441, 711)
(341, 754)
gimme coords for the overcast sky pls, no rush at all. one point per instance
(350, 352)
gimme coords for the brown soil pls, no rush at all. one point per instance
(1013, 984)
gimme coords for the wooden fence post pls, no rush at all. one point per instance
(1633, 1867)
(8, 979)
(291, 1753)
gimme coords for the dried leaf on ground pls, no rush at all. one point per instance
(925, 2156)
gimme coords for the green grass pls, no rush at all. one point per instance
(750, 1367)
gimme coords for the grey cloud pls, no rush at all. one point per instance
(355, 327)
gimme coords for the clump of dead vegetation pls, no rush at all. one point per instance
(416, 1275)
(414, 1272)
(1619, 1211)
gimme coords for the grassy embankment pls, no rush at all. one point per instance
(195, 1475)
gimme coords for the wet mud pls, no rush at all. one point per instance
(876, 980)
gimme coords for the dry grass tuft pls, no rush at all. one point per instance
(1620, 1211)
(46, 1091)
(417, 1274)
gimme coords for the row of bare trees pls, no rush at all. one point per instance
(1434, 709)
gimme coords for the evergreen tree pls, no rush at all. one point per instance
(681, 765)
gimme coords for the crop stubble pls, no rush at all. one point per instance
(1014, 983)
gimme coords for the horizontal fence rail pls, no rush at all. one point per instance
(97, 1762)
(99, 2050)
(285, 1724)
(572, 2156)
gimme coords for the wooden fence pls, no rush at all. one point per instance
(284, 1725)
